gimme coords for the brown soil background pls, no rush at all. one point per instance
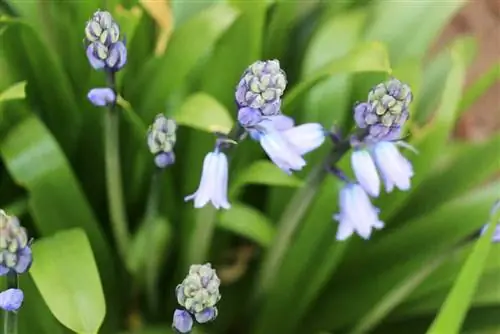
(480, 18)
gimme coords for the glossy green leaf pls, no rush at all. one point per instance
(369, 57)
(56, 201)
(46, 79)
(480, 87)
(454, 309)
(266, 173)
(66, 275)
(162, 76)
(15, 92)
(248, 223)
(201, 111)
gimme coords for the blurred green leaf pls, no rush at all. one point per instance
(56, 201)
(431, 140)
(454, 309)
(395, 296)
(370, 57)
(160, 77)
(66, 275)
(266, 173)
(248, 223)
(435, 75)
(377, 268)
(465, 168)
(201, 111)
(480, 87)
(14, 92)
(399, 24)
(184, 10)
(48, 86)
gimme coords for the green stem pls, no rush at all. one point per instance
(201, 238)
(154, 194)
(292, 216)
(10, 318)
(114, 176)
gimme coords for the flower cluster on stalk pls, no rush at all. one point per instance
(15, 259)
(258, 99)
(198, 295)
(106, 50)
(161, 139)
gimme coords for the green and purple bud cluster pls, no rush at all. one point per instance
(161, 139)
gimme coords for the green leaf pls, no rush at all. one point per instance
(479, 87)
(431, 140)
(46, 80)
(447, 181)
(14, 92)
(248, 223)
(56, 201)
(392, 22)
(266, 173)
(160, 77)
(454, 309)
(66, 275)
(369, 57)
(201, 111)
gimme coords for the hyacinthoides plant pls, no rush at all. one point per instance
(15, 259)
(106, 51)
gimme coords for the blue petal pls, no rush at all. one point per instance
(182, 322)
(11, 299)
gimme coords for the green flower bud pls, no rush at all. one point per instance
(161, 135)
(200, 289)
(102, 28)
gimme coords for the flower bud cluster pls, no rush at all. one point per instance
(161, 140)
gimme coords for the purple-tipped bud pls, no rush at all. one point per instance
(101, 97)
(395, 169)
(117, 56)
(357, 214)
(15, 252)
(248, 117)
(97, 54)
(200, 289)
(213, 184)
(207, 315)
(11, 299)
(103, 28)
(261, 87)
(182, 322)
(164, 159)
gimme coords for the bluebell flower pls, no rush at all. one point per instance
(207, 315)
(395, 169)
(11, 299)
(15, 251)
(357, 214)
(284, 143)
(213, 183)
(182, 322)
(101, 97)
(365, 171)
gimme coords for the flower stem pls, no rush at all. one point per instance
(292, 216)
(10, 318)
(114, 176)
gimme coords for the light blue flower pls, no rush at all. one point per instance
(208, 314)
(101, 97)
(284, 143)
(213, 183)
(182, 322)
(11, 299)
(357, 214)
(366, 172)
(394, 168)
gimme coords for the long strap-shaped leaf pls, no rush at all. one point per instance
(454, 309)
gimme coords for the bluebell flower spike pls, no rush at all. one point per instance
(15, 251)
(11, 299)
(161, 138)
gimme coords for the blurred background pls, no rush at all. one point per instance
(101, 268)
